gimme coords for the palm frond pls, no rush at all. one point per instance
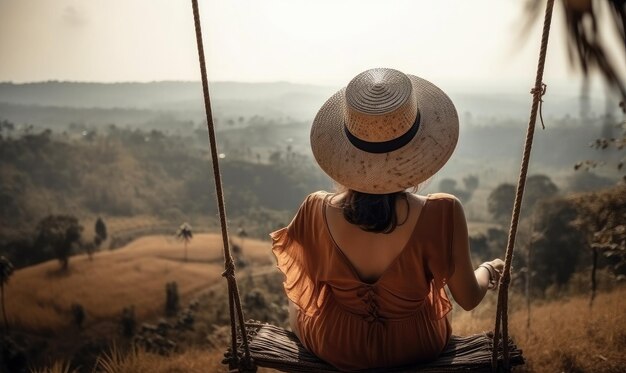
(587, 49)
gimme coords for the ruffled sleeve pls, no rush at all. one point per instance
(297, 259)
(440, 255)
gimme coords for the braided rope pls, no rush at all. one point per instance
(234, 299)
(502, 307)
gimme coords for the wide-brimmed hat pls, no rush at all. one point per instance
(385, 132)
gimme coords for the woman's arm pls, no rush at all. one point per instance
(468, 286)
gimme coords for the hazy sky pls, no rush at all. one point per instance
(458, 42)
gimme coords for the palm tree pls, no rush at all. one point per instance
(6, 270)
(185, 234)
(586, 49)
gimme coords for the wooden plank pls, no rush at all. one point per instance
(277, 348)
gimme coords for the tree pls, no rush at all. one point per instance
(601, 221)
(171, 298)
(101, 236)
(78, 313)
(60, 233)
(89, 248)
(101, 231)
(537, 188)
(556, 251)
(6, 270)
(500, 201)
(471, 183)
(184, 234)
(128, 321)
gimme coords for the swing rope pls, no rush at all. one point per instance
(538, 91)
(234, 299)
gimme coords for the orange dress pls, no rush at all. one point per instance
(400, 319)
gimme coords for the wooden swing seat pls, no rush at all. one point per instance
(277, 348)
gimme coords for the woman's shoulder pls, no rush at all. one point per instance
(445, 202)
(309, 205)
(443, 196)
(317, 197)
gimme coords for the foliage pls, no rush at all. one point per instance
(487, 246)
(557, 250)
(500, 201)
(601, 218)
(60, 233)
(185, 234)
(101, 231)
(6, 270)
(128, 321)
(587, 48)
(58, 367)
(21, 252)
(126, 172)
(607, 143)
(537, 188)
(78, 314)
(171, 298)
(89, 247)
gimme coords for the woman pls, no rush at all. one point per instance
(366, 267)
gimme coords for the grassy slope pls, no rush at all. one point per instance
(564, 334)
(39, 297)
(564, 337)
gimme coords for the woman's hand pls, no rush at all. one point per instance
(498, 265)
(495, 268)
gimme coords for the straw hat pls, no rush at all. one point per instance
(385, 132)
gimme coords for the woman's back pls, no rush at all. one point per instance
(372, 253)
(356, 312)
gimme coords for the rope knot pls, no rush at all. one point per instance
(229, 269)
(538, 92)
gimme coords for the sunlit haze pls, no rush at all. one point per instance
(461, 44)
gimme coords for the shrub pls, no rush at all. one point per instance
(78, 314)
(128, 321)
(171, 298)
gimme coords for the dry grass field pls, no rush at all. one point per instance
(39, 298)
(564, 336)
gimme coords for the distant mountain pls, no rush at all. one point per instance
(56, 103)
(154, 95)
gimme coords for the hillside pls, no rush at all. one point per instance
(124, 174)
(40, 297)
(557, 340)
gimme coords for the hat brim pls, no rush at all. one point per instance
(394, 171)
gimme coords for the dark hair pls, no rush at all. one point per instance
(371, 212)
